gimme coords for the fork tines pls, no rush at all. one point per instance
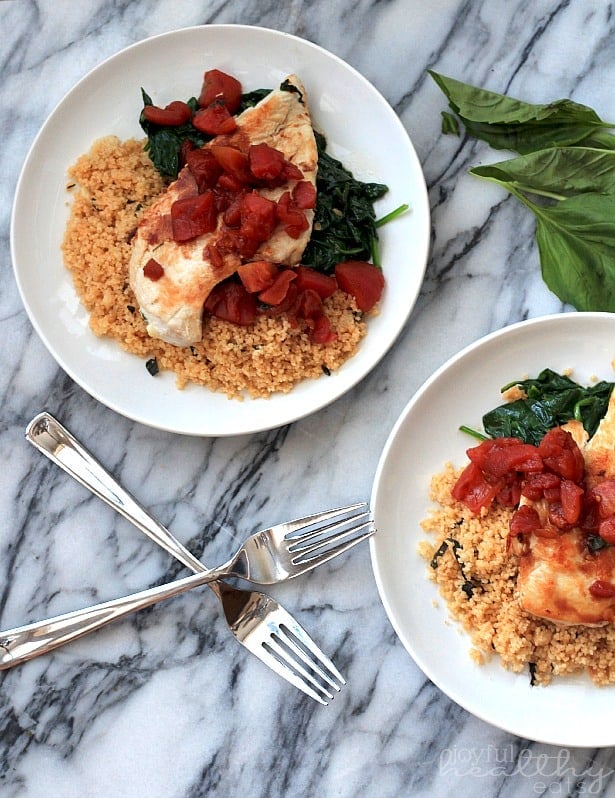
(316, 545)
(299, 660)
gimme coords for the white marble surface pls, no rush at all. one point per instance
(167, 704)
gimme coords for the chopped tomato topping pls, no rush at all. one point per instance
(304, 195)
(571, 497)
(153, 270)
(362, 280)
(604, 495)
(561, 454)
(233, 161)
(230, 301)
(606, 529)
(535, 485)
(323, 284)
(524, 521)
(267, 163)
(500, 456)
(473, 489)
(174, 114)
(323, 332)
(214, 120)
(257, 275)
(602, 589)
(193, 216)
(294, 219)
(278, 290)
(204, 167)
(218, 87)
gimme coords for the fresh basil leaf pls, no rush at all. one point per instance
(556, 172)
(576, 243)
(450, 124)
(508, 123)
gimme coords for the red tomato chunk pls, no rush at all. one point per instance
(193, 216)
(153, 270)
(174, 114)
(362, 280)
(222, 88)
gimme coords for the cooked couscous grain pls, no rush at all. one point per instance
(477, 579)
(112, 184)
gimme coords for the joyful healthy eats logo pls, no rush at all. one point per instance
(548, 773)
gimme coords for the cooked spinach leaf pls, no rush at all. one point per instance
(344, 218)
(551, 400)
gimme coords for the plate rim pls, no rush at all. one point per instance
(420, 246)
(561, 738)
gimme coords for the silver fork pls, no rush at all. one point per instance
(255, 619)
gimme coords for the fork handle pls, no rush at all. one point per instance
(57, 443)
(29, 641)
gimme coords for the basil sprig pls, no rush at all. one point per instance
(565, 174)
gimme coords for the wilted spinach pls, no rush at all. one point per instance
(344, 219)
(551, 400)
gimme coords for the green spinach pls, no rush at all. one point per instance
(345, 226)
(551, 400)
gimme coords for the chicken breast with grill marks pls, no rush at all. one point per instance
(172, 304)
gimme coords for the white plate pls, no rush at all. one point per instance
(570, 711)
(362, 130)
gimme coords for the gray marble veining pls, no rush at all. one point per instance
(166, 704)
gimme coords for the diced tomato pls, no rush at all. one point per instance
(294, 219)
(604, 494)
(230, 301)
(362, 280)
(323, 332)
(214, 256)
(473, 489)
(153, 270)
(323, 284)
(222, 88)
(606, 529)
(304, 195)
(257, 275)
(204, 167)
(214, 120)
(500, 456)
(535, 484)
(266, 163)
(561, 454)
(278, 290)
(510, 493)
(193, 216)
(524, 521)
(233, 161)
(174, 114)
(602, 589)
(309, 304)
(557, 517)
(258, 221)
(232, 214)
(571, 497)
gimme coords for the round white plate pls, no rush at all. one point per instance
(362, 130)
(570, 711)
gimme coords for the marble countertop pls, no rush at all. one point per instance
(166, 704)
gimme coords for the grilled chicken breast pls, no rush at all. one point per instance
(555, 573)
(172, 304)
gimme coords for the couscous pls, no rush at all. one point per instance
(111, 185)
(468, 560)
